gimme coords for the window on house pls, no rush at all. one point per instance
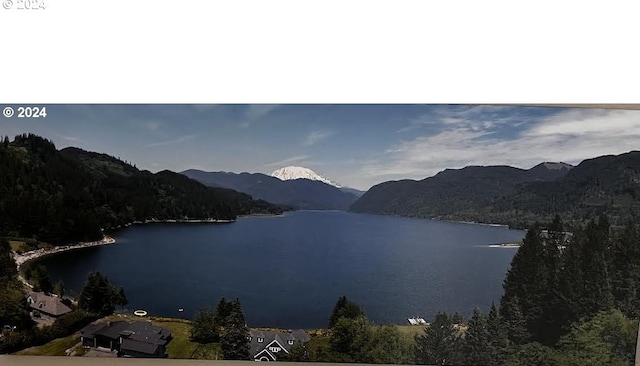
(274, 349)
(260, 340)
(290, 342)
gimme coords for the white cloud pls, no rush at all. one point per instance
(570, 136)
(315, 137)
(153, 125)
(178, 140)
(255, 111)
(289, 160)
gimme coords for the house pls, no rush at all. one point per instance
(138, 339)
(47, 305)
(265, 345)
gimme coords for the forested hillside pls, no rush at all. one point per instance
(71, 195)
(607, 185)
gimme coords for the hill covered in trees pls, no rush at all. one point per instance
(501, 194)
(72, 195)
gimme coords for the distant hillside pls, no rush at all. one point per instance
(501, 194)
(301, 193)
(462, 194)
(603, 185)
(71, 195)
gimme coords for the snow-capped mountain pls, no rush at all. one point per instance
(298, 172)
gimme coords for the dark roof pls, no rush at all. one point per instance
(47, 304)
(91, 329)
(113, 329)
(139, 346)
(281, 337)
(138, 331)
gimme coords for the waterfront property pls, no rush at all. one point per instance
(138, 339)
(46, 307)
(265, 345)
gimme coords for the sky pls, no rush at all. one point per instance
(355, 145)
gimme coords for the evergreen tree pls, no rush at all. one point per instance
(349, 336)
(477, 340)
(596, 267)
(204, 328)
(514, 320)
(498, 339)
(235, 338)
(98, 295)
(625, 276)
(525, 281)
(552, 315)
(58, 289)
(345, 309)
(42, 281)
(223, 311)
(121, 298)
(440, 343)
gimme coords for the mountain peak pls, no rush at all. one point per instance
(298, 172)
(555, 166)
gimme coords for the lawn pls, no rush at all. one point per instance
(411, 330)
(54, 348)
(19, 246)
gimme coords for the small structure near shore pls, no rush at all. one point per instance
(43, 305)
(417, 321)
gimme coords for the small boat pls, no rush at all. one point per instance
(140, 313)
(180, 309)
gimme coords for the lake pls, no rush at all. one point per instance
(288, 271)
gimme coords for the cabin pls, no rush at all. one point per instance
(266, 346)
(44, 305)
(138, 339)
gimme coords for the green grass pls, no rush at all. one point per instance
(182, 347)
(209, 351)
(411, 330)
(19, 246)
(54, 348)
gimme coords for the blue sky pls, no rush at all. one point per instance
(354, 145)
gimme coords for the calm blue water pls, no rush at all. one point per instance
(289, 271)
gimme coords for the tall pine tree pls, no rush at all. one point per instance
(477, 340)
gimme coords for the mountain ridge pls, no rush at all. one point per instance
(301, 193)
(518, 197)
(297, 172)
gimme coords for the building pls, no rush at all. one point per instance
(265, 346)
(45, 305)
(139, 339)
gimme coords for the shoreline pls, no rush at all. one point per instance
(23, 258)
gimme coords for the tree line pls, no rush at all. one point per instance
(66, 196)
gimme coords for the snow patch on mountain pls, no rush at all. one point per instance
(298, 172)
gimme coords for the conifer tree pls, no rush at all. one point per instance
(440, 343)
(235, 337)
(477, 340)
(345, 309)
(525, 288)
(498, 339)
